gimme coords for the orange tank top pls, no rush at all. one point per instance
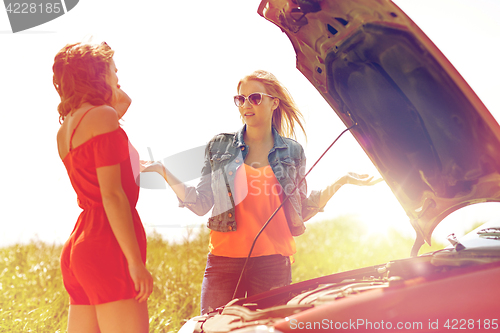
(264, 195)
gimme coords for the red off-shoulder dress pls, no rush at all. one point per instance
(93, 266)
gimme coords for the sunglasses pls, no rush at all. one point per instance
(253, 98)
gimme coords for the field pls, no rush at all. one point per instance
(33, 299)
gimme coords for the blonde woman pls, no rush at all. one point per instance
(246, 176)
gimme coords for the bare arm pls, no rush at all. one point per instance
(177, 186)
(118, 211)
(120, 101)
(200, 198)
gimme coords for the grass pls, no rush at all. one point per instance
(329, 247)
(33, 299)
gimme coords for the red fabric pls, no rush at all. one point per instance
(94, 268)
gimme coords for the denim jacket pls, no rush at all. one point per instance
(224, 154)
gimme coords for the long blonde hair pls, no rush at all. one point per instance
(287, 114)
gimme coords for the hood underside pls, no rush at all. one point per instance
(431, 138)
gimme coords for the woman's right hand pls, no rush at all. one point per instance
(143, 281)
(152, 166)
(157, 166)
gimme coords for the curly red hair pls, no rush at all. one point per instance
(80, 72)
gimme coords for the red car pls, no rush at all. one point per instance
(437, 147)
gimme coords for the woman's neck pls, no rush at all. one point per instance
(260, 142)
(258, 135)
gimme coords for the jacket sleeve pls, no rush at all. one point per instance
(200, 199)
(310, 204)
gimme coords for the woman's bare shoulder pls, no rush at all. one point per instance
(102, 119)
(98, 120)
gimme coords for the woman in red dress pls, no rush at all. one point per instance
(103, 261)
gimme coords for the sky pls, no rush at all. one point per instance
(180, 63)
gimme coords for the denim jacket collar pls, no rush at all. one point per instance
(278, 140)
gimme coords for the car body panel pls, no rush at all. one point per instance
(460, 297)
(426, 131)
(414, 292)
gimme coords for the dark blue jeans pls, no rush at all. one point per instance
(222, 273)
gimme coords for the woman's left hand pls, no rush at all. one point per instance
(360, 180)
(143, 281)
(349, 178)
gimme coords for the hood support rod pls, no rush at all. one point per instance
(419, 241)
(281, 205)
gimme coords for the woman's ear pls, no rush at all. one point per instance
(276, 103)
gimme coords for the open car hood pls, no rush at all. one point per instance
(431, 138)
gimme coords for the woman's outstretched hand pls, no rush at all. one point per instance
(349, 178)
(143, 281)
(360, 180)
(176, 185)
(151, 166)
